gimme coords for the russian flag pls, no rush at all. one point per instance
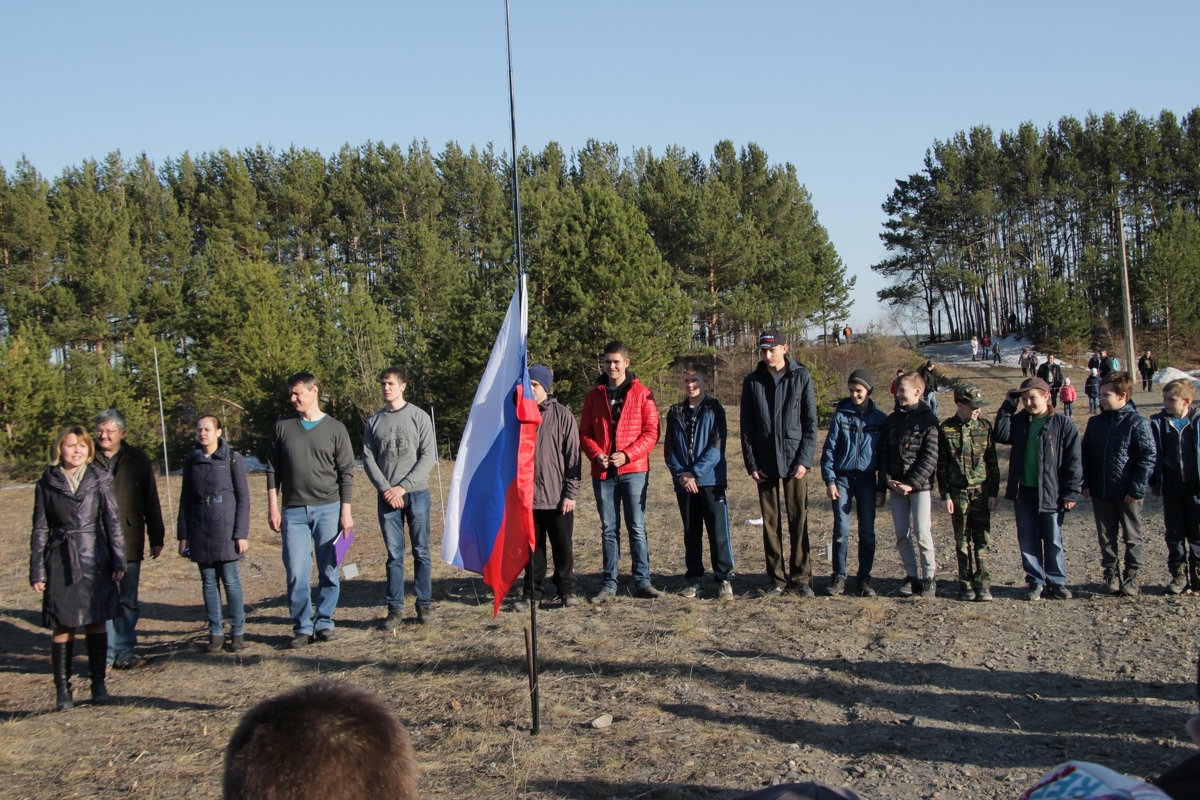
(489, 513)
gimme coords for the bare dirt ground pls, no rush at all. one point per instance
(898, 698)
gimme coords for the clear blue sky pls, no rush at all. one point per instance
(851, 93)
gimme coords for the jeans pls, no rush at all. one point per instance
(706, 508)
(629, 490)
(1181, 515)
(307, 529)
(1093, 403)
(122, 629)
(858, 489)
(1117, 520)
(391, 521)
(228, 573)
(912, 515)
(1040, 538)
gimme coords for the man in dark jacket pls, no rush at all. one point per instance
(779, 443)
(907, 461)
(1147, 366)
(1176, 479)
(1045, 480)
(1107, 364)
(141, 517)
(850, 467)
(556, 474)
(1051, 372)
(1118, 459)
(694, 449)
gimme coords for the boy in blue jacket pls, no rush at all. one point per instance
(849, 467)
(1176, 479)
(1118, 458)
(694, 449)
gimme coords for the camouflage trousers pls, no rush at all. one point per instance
(972, 523)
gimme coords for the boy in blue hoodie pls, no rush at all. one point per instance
(849, 467)
(1118, 458)
(694, 449)
(1176, 479)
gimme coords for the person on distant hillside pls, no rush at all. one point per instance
(779, 445)
(1045, 481)
(694, 449)
(974, 347)
(849, 467)
(1051, 372)
(1068, 396)
(969, 481)
(1176, 479)
(1027, 361)
(908, 457)
(1147, 366)
(1091, 388)
(995, 352)
(1118, 458)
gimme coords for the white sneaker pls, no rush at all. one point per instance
(691, 590)
(726, 590)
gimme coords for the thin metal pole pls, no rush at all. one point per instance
(531, 656)
(441, 495)
(162, 423)
(1126, 309)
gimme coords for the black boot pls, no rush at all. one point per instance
(61, 654)
(97, 647)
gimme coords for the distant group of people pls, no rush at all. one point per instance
(983, 348)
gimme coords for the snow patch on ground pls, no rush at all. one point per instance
(960, 352)
(1168, 374)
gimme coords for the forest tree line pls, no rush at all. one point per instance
(1024, 230)
(236, 269)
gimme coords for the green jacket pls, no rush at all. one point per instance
(967, 456)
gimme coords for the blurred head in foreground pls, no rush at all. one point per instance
(328, 739)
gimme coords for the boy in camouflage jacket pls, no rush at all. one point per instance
(969, 480)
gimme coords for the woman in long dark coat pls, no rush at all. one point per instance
(214, 519)
(77, 555)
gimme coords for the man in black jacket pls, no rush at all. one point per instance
(141, 517)
(1045, 480)
(1051, 372)
(1147, 366)
(779, 442)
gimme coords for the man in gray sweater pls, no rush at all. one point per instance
(310, 484)
(398, 453)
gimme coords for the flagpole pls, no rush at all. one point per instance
(162, 421)
(437, 453)
(530, 632)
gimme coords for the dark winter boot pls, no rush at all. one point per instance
(61, 654)
(1194, 578)
(1179, 580)
(97, 647)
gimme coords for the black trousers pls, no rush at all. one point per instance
(551, 524)
(1117, 520)
(1181, 515)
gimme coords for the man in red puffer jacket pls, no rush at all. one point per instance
(618, 430)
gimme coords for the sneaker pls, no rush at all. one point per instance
(725, 591)
(691, 590)
(927, 587)
(1058, 591)
(601, 597)
(1179, 582)
(1129, 587)
(570, 601)
(983, 594)
(908, 587)
(966, 591)
(424, 615)
(298, 641)
(648, 592)
(1034, 592)
(865, 589)
(1112, 583)
(394, 619)
(804, 589)
(325, 635)
(836, 586)
(774, 591)
(521, 606)
(214, 645)
(237, 643)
